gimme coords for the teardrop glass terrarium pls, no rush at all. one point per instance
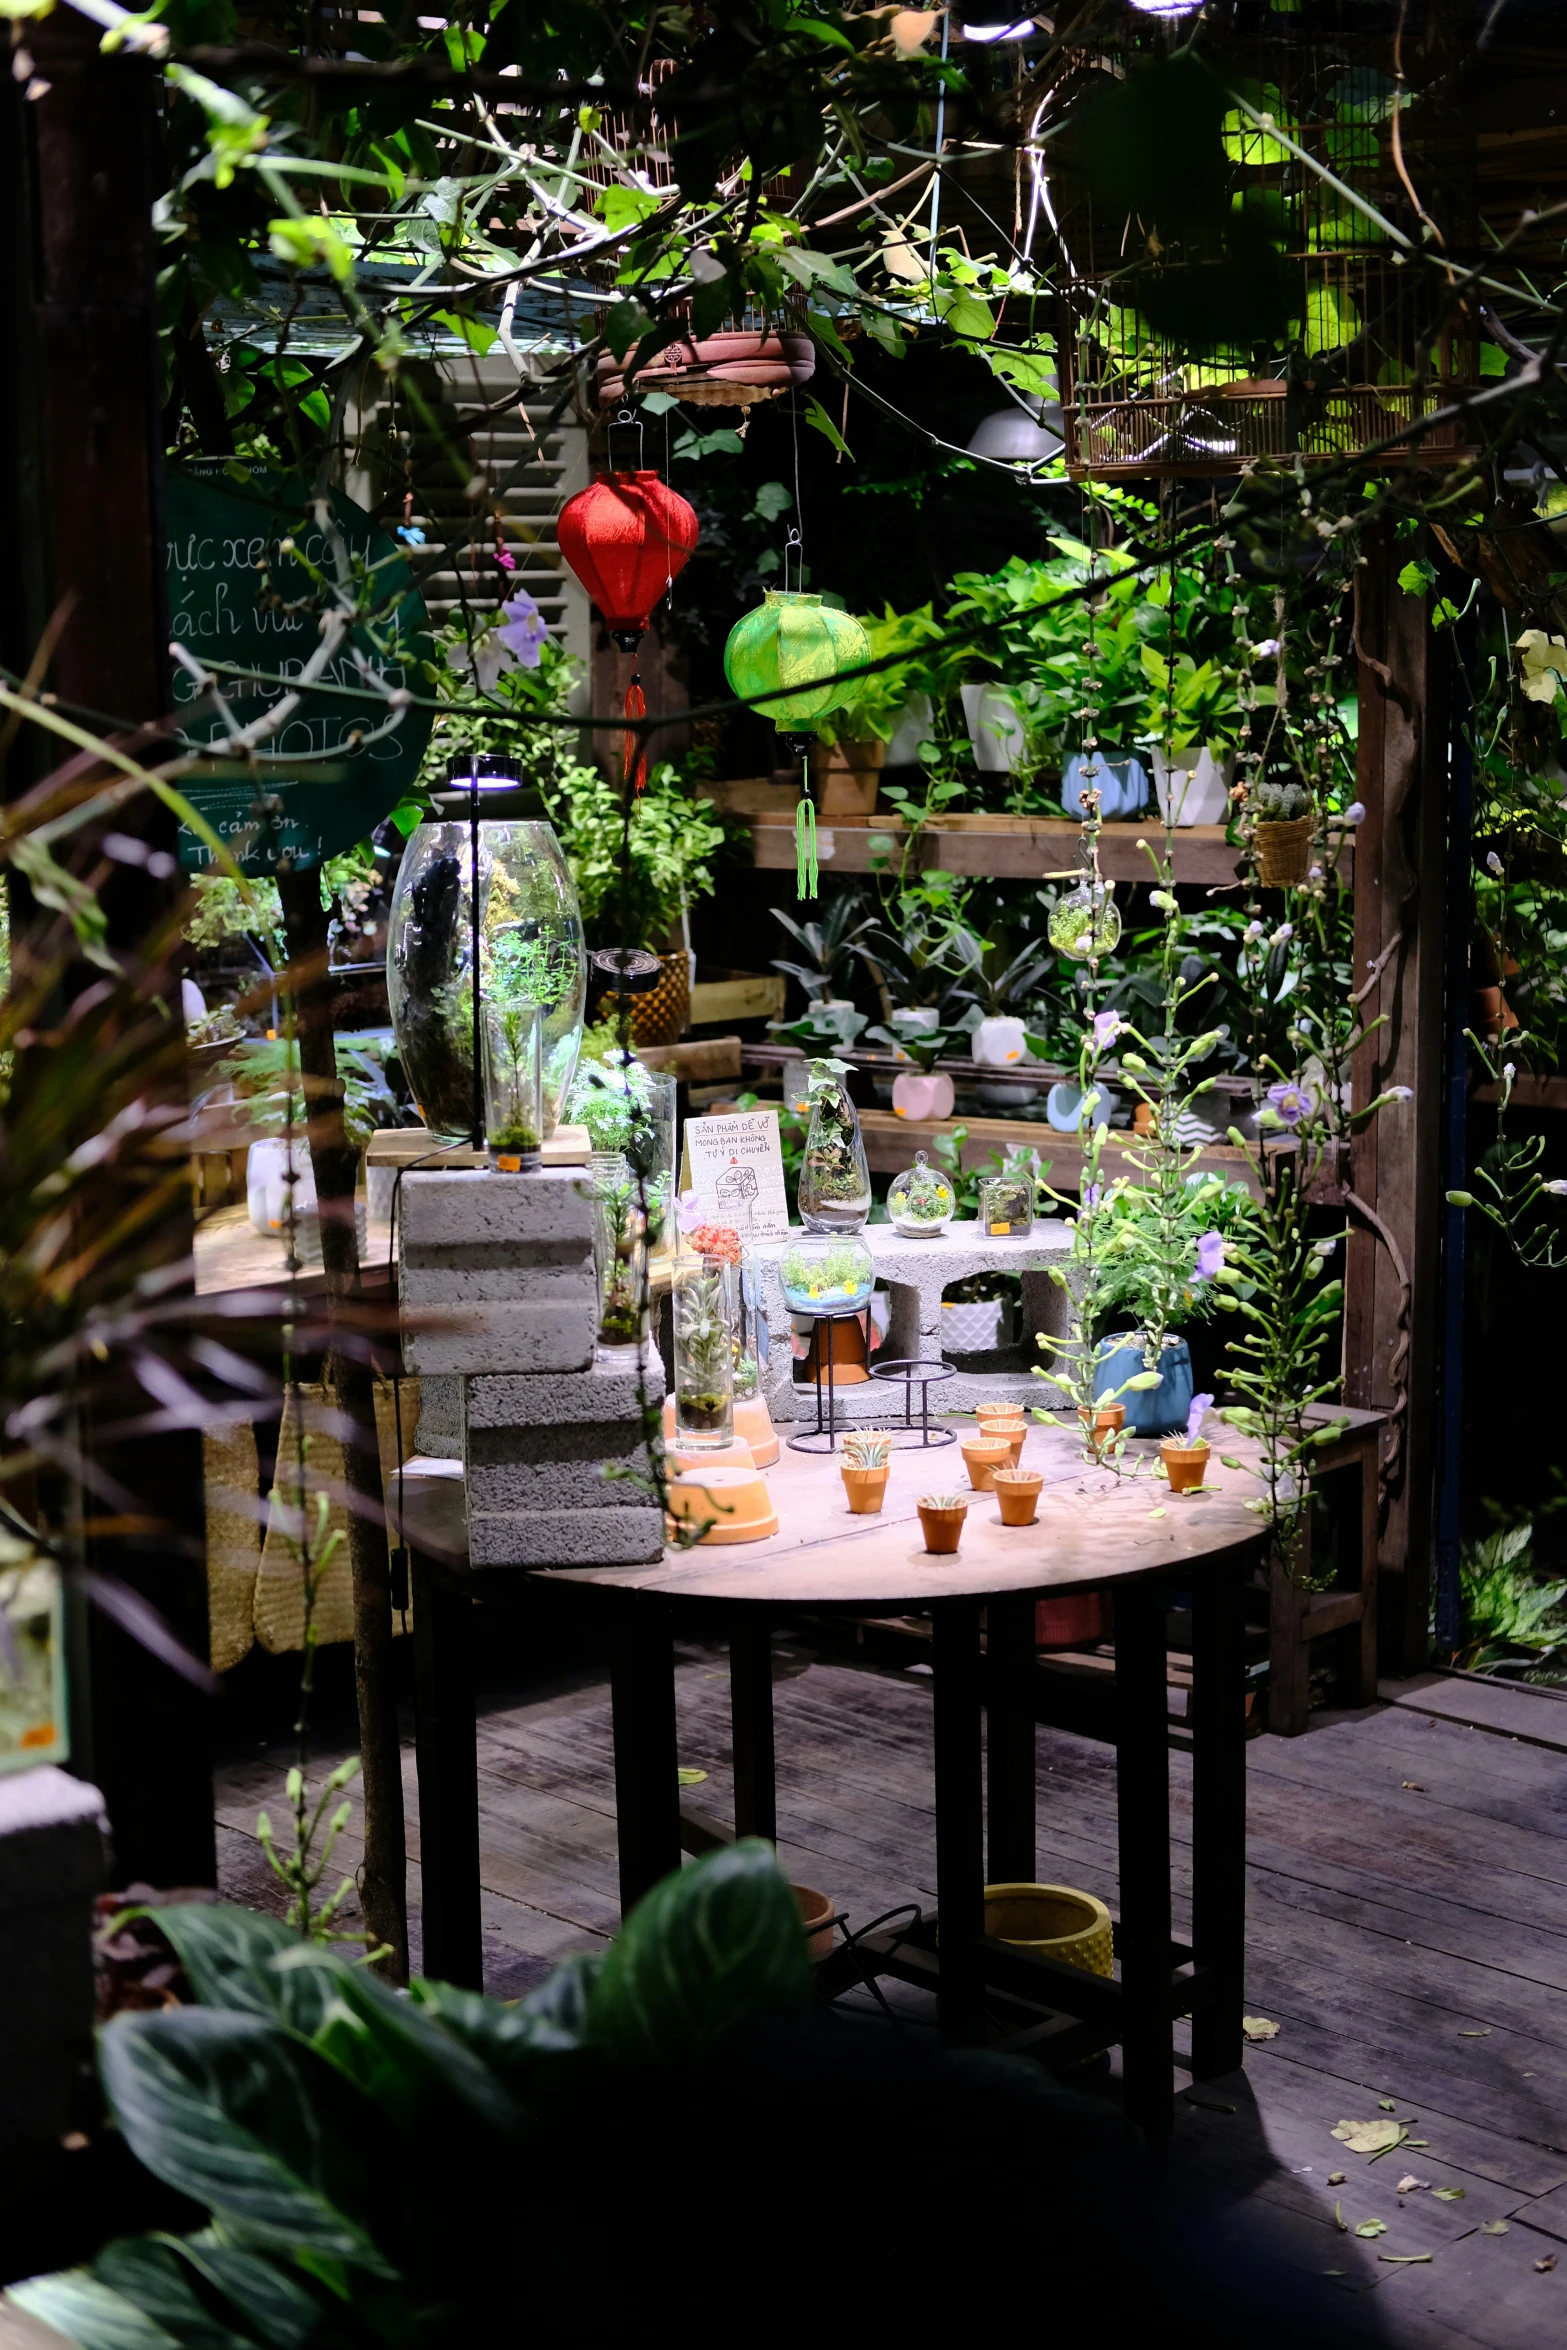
(835, 1181)
(530, 952)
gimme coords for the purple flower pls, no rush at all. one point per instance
(688, 1211)
(1292, 1102)
(506, 559)
(1107, 1027)
(1355, 813)
(1210, 1256)
(1092, 1194)
(525, 631)
(1200, 1404)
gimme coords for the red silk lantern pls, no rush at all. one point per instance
(626, 537)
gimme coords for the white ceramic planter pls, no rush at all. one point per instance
(912, 729)
(978, 1328)
(1000, 1043)
(1197, 794)
(915, 1095)
(995, 729)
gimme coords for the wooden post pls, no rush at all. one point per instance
(1393, 1307)
(80, 444)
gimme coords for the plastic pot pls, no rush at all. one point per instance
(1150, 1411)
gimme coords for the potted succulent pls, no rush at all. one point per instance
(1285, 825)
(867, 1463)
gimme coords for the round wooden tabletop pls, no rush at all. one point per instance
(1092, 1529)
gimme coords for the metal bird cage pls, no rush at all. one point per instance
(1301, 308)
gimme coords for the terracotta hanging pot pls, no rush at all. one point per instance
(733, 369)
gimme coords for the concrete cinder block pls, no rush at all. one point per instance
(472, 1208)
(52, 1840)
(537, 1276)
(556, 1485)
(607, 1390)
(602, 1537)
(439, 1433)
(533, 1338)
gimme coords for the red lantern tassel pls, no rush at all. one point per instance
(633, 752)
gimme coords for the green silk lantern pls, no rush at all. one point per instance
(792, 648)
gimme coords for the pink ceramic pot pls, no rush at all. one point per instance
(916, 1096)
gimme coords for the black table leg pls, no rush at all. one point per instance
(1219, 1812)
(647, 1786)
(751, 1718)
(1009, 1747)
(447, 1756)
(1143, 1811)
(960, 1876)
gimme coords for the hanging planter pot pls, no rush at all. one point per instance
(1284, 852)
(658, 1013)
(736, 368)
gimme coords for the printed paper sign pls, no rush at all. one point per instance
(736, 1165)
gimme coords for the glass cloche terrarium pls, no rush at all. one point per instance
(826, 1273)
(921, 1202)
(530, 941)
(835, 1181)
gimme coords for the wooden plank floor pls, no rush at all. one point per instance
(1407, 1931)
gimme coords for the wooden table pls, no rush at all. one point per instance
(1131, 1538)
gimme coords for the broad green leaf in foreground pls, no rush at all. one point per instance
(711, 1946)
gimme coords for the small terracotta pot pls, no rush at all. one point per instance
(1108, 1420)
(1076, 1622)
(982, 1456)
(866, 1488)
(999, 1410)
(1017, 1490)
(942, 1525)
(1184, 1464)
(816, 1914)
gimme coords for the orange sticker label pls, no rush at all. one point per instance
(1006, 1228)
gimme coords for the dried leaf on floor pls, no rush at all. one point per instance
(1408, 2183)
(1386, 2105)
(1336, 2178)
(1369, 2137)
(1493, 2227)
(1542, 2267)
(1339, 2221)
(691, 1778)
(1483, 2033)
(1372, 2227)
(1448, 2194)
(1413, 1785)
(1257, 2027)
(1160, 1512)
(1405, 2259)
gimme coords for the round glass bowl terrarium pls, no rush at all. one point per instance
(1086, 923)
(826, 1274)
(921, 1202)
(530, 951)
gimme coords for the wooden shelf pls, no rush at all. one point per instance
(891, 1142)
(1013, 847)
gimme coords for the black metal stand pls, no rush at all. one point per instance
(914, 1372)
(811, 1440)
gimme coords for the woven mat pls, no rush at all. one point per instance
(279, 1606)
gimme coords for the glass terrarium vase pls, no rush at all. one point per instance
(835, 1181)
(747, 1324)
(1086, 923)
(513, 1086)
(629, 1112)
(530, 952)
(921, 1202)
(619, 1251)
(826, 1274)
(1006, 1205)
(704, 1353)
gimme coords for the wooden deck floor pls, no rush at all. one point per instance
(1407, 1932)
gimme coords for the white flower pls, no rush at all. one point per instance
(1315, 874)
(1558, 1188)
(1268, 647)
(1400, 1093)
(1282, 936)
(1252, 933)
(1544, 662)
(1493, 860)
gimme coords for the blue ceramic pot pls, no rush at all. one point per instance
(1150, 1411)
(1122, 784)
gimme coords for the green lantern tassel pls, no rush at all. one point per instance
(806, 880)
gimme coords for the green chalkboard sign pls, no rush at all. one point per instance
(335, 767)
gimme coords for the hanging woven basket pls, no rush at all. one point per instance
(1284, 852)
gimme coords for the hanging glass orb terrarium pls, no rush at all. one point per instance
(529, 941)
(921, 1202)
(835, 1180)
(1086, 923)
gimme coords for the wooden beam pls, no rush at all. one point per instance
(1392, 1292)
(1010, 848)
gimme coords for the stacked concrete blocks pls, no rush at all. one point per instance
(498, 1289)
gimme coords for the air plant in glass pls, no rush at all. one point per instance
(513, 1086)
(704, 1353)
(620, 1256)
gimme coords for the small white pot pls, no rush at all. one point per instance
(1000, 1041)
(978, 1328)
(995, 729)
(1197, 794)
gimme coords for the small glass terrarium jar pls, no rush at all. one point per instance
(629, 1112)
(619, 1252)
(704, 1354)
(1006, 1205)
(513, 1086)
(835, 1180)
(824, 1274)
(921, 1202)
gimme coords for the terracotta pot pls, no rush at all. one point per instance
(660, 1013)
(728, 370)
(1017, 1490)
(1076, 1622)
(841, 1343)
(942, 1524)
(1000, 1409)
(915, 1095)
(1012, 1432)
(1284, 851)
(982, 1456)
(1184, 1464)
(816, 1916)
(1108, 1420)
(847, 792)
(866, 1488)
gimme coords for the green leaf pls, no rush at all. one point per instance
(390, 2049)
(274, 2298)
(88, 2313)
(224, 1949)
(626, 324)
(1372, 2227)
(1448, 2194)
(149, 2273)
(817, 415)
(710, 1947)
(1417, 577)
(235, 2113)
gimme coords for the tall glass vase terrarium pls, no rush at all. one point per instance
(528, 936)
(619, 1251)
(835, 1180)
(704, 1354)
(513, 1087)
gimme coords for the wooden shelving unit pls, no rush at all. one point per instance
(891, 1142)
